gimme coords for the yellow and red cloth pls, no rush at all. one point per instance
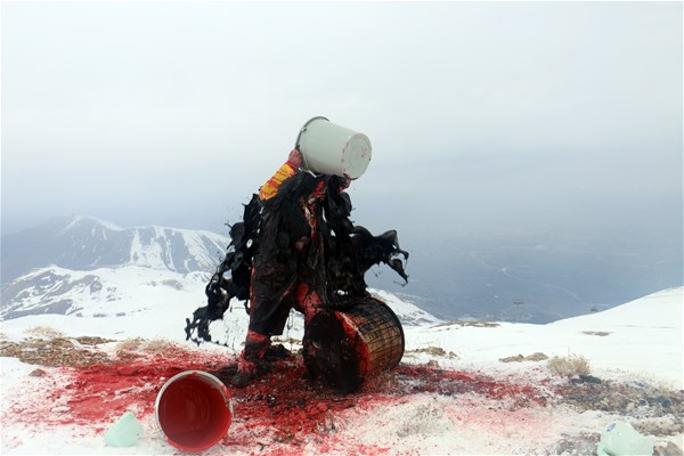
(270, 188)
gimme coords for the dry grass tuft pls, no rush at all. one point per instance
(92, 340)
(434, 351)
(537, 356)
(54, 352)
(128, 348)
(463, 323)
(158, 346)
(569, 366)
(45, 332)
(137, 347)
(596, 333)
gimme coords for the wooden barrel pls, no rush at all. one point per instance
(344, 348)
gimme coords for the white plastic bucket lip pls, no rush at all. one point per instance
(303, 129)
(211, 379)
(299, 136)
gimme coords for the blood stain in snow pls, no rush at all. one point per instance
(100, 393)
(282, 406)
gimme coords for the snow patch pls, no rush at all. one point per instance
(78, 219)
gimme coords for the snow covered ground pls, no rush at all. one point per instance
(640, 338)
(451, 395)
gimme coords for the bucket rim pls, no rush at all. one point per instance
(212, 380)
(306, 124)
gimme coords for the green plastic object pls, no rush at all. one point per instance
(125, 432)
(620, 439)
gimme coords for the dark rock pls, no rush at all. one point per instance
(580, 444)
(665, 402)
(38, 373)
(585, 379)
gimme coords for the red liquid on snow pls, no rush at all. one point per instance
(282, 405)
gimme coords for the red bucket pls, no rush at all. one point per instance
(193, 410)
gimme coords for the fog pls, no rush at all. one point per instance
(492, 121)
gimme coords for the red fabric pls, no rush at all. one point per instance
(254, 337)
(255, 348)
(307, 301)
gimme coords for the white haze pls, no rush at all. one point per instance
(486, 118)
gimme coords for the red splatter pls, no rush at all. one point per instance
(283, 406)
(369, 450)
(287, 405)
(450, 383)
(103, 392)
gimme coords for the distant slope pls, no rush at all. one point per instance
(641, 336)
(408, 313)
(87, 243)
(660, 309)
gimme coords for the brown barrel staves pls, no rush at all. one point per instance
(345, 348)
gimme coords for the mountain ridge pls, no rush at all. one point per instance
(87, 243)
(135, 290)
(94, 268)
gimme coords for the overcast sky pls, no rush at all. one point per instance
(483, 117)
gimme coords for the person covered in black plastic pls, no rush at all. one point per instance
(295, 248)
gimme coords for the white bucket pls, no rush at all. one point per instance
(330, 149)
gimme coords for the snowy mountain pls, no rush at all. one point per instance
(137, 291)
(99, 292)
(86, 243)
(87, 267)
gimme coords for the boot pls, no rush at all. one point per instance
(249, 368)
(246, 373)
